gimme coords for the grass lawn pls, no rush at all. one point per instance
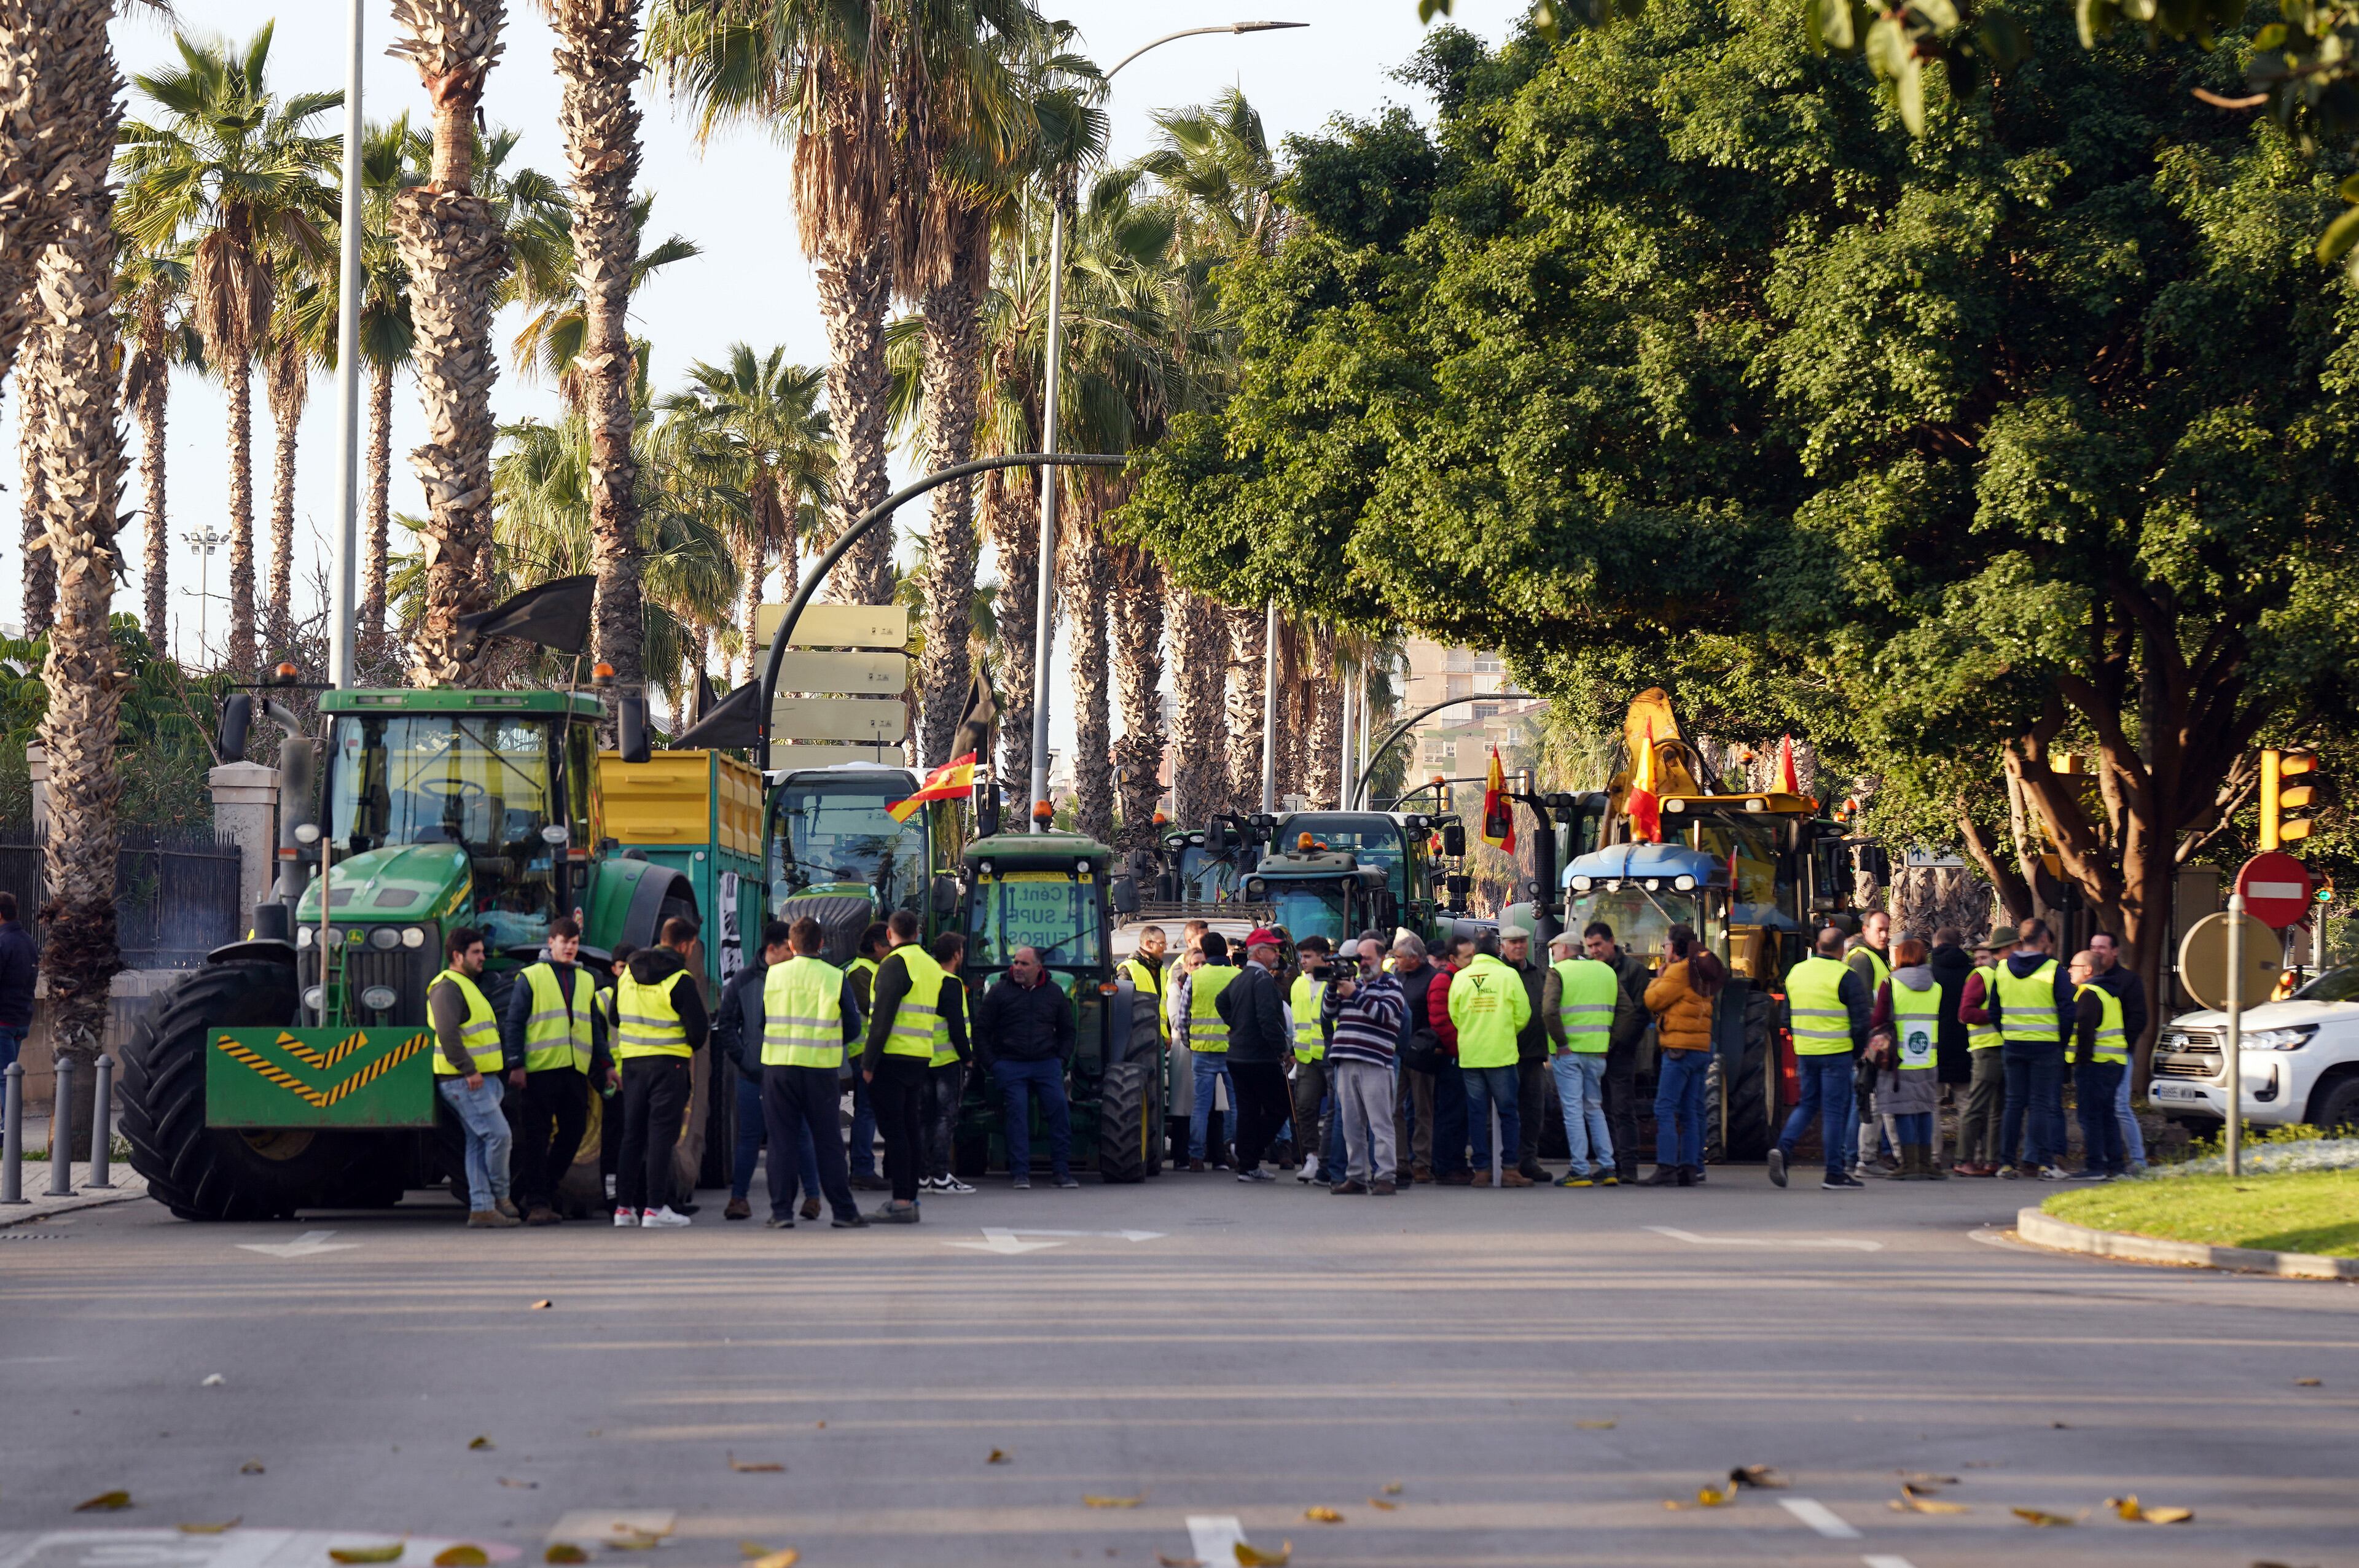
(2307, 1211)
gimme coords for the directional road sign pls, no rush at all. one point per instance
(838, 718)
(2276, 888)
(785, 759)
(865, 675)
(837, 625)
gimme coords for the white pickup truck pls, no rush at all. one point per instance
(2300, 1060)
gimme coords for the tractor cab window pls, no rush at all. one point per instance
(481, 781)
(1643, 920)
(1308, 910)
(1763, 891)
(1050, 910)
(835, 832)
(1378, 842)
(1204, 876)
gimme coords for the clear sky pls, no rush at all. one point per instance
(752, 283)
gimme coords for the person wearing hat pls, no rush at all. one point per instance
(1979, 1150)
(1259, 1043)
(1581, 1003)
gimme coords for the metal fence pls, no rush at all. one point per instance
(176, 892)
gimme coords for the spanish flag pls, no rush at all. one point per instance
(1643, 807)
(1498, 811)
(954, 780)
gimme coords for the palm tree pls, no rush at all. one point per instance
(153, 289)
(759, 418)
(302, 336)
(1199, 656)
(41, 576)
(237, 172)
(387, 167)
(554, 341)
(1134, 591)
(451, 241)
(52, 154)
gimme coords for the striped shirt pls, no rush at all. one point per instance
(1367, 1023)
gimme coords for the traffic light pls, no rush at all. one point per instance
(2288, 796)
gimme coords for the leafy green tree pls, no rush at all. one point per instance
(2031, 436)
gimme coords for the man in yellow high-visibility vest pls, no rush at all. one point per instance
(659, 1023)
(467, 1061)
(907, 1003)
(809, 1016)
(554, 1037)
(874, 942)
(1827, 1010)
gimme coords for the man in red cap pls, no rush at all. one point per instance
(1260, 1041)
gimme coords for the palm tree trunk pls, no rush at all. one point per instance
(953, 342)
(1011, 510)
(1325, 730)
(32, 434)
(287, 381)
(155, 572)
(83, 467)
(1199, 653)
(1135, 602)
(598, 61)
(380, 484)
(241, 651)
(1080, 570)
(1248, 636)
(47, 165)
(853, 294)
(755, 571)
(456, 258)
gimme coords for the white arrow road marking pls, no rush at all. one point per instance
(1002, 1239)
(311, 1244)
(1214, 1539)
(1678, 1235)
(1819, 1517)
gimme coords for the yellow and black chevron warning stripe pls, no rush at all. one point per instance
(270, 1071)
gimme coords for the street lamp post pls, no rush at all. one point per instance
(341, 630)
(202, 543)
(1044, 627)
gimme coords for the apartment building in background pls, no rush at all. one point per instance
(1457, 742)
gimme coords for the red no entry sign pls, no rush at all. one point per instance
(2275, 889)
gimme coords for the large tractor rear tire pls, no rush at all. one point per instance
(1127, 1129)
(204, 1173)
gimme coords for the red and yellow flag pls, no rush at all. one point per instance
(1786, 782)
(1498, 811)
(1643, 807)
(954, 780)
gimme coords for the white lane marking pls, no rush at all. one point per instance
(1008, 1242)
(1819, 1517)
(1873, 1562)
(588, 1527)
(311, 1244)
(1214, 1539)
(1678, 1235)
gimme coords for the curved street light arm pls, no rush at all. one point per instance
(871, 518)
(1392, 735)
(1191, 32)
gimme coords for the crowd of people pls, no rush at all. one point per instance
(1364, 1069)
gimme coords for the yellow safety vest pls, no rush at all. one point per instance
(953, 995)
(646, 1022)
(479, 1036)
(1916, 1023)
(2112, 1043)
(802, 1014)
(1206, 1032)
(557, 1032)
(2027, 1006)
(1814, 997)
(1875, 981)
(1141, 976)
(1586, 994)
(865, 992)
(919, 1013)
(1985, 1036)
(1484, 998)
(1308, 996)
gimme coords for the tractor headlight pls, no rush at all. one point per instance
(303, 935)
(379, 999)
(385, 938)
(1654, 884)
(1685, 884)
(413, 936)
(1581, 884)
(1675, 805)
(314, 998)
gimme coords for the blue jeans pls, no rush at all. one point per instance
(1018, 1082)
(2100, 1083)
(752, 1135)
(1449, 1120)
(1915, 1126)
(2133, 1135)
(2035, 1090)
(1211, 1068)
(12, 1040)
(1487, 1087)
(478, 1112)
(1581, 1090)
(1679, 1108)
(1826, 1093)
(864, 1130)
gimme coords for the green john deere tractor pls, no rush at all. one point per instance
(1051, 891)
(267, 1082)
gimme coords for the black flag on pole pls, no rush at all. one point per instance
(733, 721)
(554, 614)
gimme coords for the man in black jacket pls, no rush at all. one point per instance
(18, 964)
(660, 1023)
(543, 1037)
(1259, 1042)
(2107, 969)
(1413, 1103)
(737, 1024)
(1024, 1034)
(1622, 1045)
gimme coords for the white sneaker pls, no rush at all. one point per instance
(927, 1185)
(952, 1185)
(1309, 1172)
(664, 1219)
(610, 1189)
(626, 1218)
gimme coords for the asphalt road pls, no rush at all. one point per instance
(1536, 1372)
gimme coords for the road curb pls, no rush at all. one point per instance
(45, 1209)
(2063, 1236)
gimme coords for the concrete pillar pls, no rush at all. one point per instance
(245, 808)
(37, 763)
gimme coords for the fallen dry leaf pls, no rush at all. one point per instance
(1394, 1488)
(214, 1380)
(634, 1540)
(221, 1529)
(752, 1551)
(519, 1486)
(2058, 1426)
(2041, 1517)
(2305, 1382)
(999, 1456)
(1923, 1478)
(461, 1556)
(819, 1424)
(1179, 1562)
(564, 1551)
(104, 1503)
(1707, 1498)
(1765, 1477)
(1090, 1500)
(1911, 1500)
(785, 1559)
(251, 1468)
(2131, 1509)
(1380, 1503)
(480, 1442)
(541, 1305)
(2168, 1514)
(1323, 1516)
(1255, 1557)
(753, 1466)
(1594, 1425)
(387, 1554)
